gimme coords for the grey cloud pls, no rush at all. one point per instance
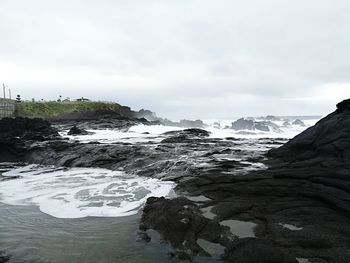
(177, 57)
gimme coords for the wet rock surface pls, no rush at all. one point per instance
(185, 136)
(120, 123)
(182, 224)
(300, 204)
(17, 134)
(77, 131)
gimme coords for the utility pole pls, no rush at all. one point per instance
(3, 87)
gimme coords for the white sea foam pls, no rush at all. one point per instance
(153, 133)
(80, 192)
(136, 134)
(286, 132)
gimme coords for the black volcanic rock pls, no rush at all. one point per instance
(343, 106)
(185, 136)
(301, 203)
(248, 124)
(15, 133)
(182, 224)
(77, 131)
(26, 128)
(254, 250)
(326, 141)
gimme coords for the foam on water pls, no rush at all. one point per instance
(154, 133)
(80, 192)
(286, 132)
(135, 134)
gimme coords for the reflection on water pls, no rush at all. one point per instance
(29, 235)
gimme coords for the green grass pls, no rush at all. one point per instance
(57, 109)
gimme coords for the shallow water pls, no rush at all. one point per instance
(31, 236)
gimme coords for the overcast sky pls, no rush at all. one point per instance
(181, 58)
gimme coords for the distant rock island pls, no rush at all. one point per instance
(248, 124)
(151, 116)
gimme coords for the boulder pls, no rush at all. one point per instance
(185, 136)
(77, 131)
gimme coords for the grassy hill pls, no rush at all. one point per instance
(58, 110)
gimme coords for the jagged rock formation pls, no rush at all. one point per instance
(77, 131)
(151, 116)
(247, 124)
(301, 204)
(324, 143)
(17, 134)
(187, 135)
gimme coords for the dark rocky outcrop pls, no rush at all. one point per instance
(77, 131)
(182, 224)
(151, 116)
(120, 123)
(190, 132)
(301, 204)
(326, 143)
(185, 136)
(248, 124)
(16, 134)
(26, 128)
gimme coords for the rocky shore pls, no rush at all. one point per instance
(300, 205)
(296, 210)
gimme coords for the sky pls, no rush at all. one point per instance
(182, 59)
